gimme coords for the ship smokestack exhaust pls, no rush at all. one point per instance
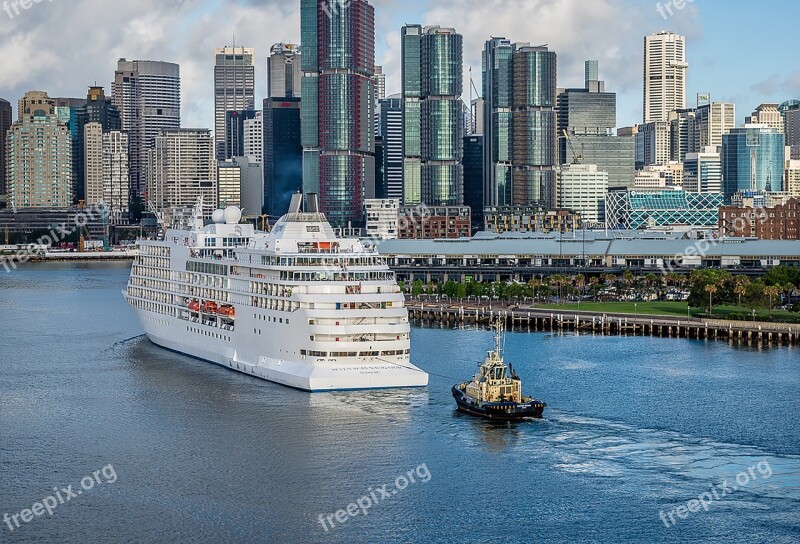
(297, 201)
(312, 203)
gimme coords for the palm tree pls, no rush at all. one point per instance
(711, 290)
(771, 291)
(594, 282)
(740, 287)
(580, 283)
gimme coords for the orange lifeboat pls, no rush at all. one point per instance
(194, 306)
(227, 310)
(210, 307)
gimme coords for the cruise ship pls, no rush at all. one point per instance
(296, 306)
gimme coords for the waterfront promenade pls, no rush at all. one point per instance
(523, 317)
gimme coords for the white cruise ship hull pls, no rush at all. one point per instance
(170, 333)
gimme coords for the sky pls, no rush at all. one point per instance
(735, 52)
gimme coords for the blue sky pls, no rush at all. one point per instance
(738, 51)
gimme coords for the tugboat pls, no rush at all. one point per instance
(496, 391)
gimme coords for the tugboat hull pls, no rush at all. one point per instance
(501, 411)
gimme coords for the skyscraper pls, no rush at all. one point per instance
(99, 109)
(703, 171)
(712, 122)
(106, 173)
(589, 116)
(664, 75)
(338, 44)
(766, 114)
(116, 176)
(181, 169)
(411, 82)
(497, 94)
(234, 90)
(283, 154)
(39, 160)
(653, 144)
(519, 91)
(148, 96)
(441, 117)
(254, 137)
(390, 185)
(284, 73)
(380, 84)
(235, 131)
(473, 178)
(683, 133)
(66, 110)
(5, 124)
(533, 146)
(753, 158)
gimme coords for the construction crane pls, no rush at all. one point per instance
(576, 159)
(161, 219)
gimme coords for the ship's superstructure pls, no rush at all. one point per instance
(297, 306)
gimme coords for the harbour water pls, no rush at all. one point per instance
(635, 429)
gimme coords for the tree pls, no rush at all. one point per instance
(416, 288)
(580, 284)
(711, 290)
(782, 275)
(771, 291)
(740, 287)
(461, 291)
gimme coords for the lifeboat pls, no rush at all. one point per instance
(194, 306)
(226, 310)
(210, 307)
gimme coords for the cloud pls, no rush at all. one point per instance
(64, 46)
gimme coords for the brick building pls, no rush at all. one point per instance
(780, 222)
(426, 223)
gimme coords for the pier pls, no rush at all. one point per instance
(517, 318)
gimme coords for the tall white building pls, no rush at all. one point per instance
(703, 171)
(711, 122)
(383, 217)
(254, 137)
(664, 75)
(653, 144)
(284, 73)
(766, 114)
(379, 79)
(181, 169)
(116, 176)
(93, 162)
(582, 188)
(656, 176)
(148, 96)
(234, 90)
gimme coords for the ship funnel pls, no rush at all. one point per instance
(297, 201)
(312, 203)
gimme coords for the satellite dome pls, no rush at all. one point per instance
(218, 216)
(232, 215)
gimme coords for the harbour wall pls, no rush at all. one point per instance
(747, 333)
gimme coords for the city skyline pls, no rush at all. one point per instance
(164, 32)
